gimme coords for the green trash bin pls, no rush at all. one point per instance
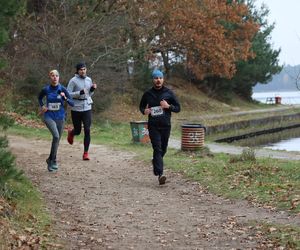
(139, 130)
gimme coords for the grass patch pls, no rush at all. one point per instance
(270, 182)
(39, 133)
(26, 223)
(285, 237)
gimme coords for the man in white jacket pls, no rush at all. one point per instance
(81, 88)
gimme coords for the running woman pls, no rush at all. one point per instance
(51, 100)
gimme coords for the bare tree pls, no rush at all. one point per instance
(59, 34)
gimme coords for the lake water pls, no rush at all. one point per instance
(288, 145)
(287, 98)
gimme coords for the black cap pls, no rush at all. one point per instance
(80, 65)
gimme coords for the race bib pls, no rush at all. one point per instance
(54, 106)
(156, 111)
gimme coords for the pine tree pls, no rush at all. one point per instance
(8, 171)
(7, 11)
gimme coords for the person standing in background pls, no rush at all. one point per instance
(81, 88)
(158, 103)
(54, 113)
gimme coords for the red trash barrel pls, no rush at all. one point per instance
(192, 136)
(277, 100)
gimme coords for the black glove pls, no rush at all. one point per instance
(59, 92)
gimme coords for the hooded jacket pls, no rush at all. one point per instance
(82, 101)
(152, 98)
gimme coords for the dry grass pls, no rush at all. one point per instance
(193, 101)
(196, 107)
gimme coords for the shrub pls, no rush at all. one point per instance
(8, 170)
(248, 154)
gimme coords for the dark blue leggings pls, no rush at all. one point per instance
(85, 118)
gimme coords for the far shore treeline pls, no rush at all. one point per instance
(286, 80)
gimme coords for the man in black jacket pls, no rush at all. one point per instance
(158, 103)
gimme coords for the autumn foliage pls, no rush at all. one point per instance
(205, 39)
(211, 35)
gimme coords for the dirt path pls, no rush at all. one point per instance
(114, 202)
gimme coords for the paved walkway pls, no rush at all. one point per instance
(254, 111)
(230, 149)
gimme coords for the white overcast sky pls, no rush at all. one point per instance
(286, 34)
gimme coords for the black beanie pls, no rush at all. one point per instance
(80, 65)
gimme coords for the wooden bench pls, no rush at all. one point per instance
(270, 100)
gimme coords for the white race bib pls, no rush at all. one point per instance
(156, 111)
(54, 106)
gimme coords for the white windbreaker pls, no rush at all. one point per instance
(81, 102)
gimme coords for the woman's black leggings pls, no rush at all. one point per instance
(85, 118)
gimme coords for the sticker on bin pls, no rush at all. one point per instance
(145, 131)
(156, 111)
(54, 106)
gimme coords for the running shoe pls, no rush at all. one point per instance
(51, 166)
(70, 137)
(54, 166)
(85, 156)
(48, 162)
(162, 179)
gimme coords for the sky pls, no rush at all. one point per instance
(286, 34)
